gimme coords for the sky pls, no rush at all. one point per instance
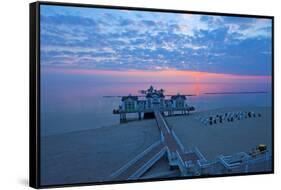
(103, 42)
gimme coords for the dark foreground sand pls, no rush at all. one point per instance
(92, 155)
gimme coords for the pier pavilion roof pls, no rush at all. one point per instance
(124, 98)
(155, 94)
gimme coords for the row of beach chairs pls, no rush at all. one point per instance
(228, 117)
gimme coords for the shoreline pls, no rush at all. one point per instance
(135, 120)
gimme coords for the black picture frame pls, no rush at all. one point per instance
(34, 91)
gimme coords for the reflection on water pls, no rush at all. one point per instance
(78, 105)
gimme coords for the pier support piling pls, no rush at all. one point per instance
(123, 118)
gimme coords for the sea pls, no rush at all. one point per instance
(69, 105)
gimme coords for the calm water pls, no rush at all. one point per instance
(78, 104)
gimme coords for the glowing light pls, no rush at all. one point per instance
(169, 75)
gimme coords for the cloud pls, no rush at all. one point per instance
(256, 28)
(114, 39)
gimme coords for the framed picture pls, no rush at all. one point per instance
(126, 94)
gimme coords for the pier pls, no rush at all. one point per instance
(169, 145)
(151, 100)
(176, 153)
(190, 162)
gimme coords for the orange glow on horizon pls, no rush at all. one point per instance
(161, 76)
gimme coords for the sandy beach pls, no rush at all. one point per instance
(224, 138)
(92, 155)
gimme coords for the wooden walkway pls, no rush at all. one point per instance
(135, 168)
(169, 142)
